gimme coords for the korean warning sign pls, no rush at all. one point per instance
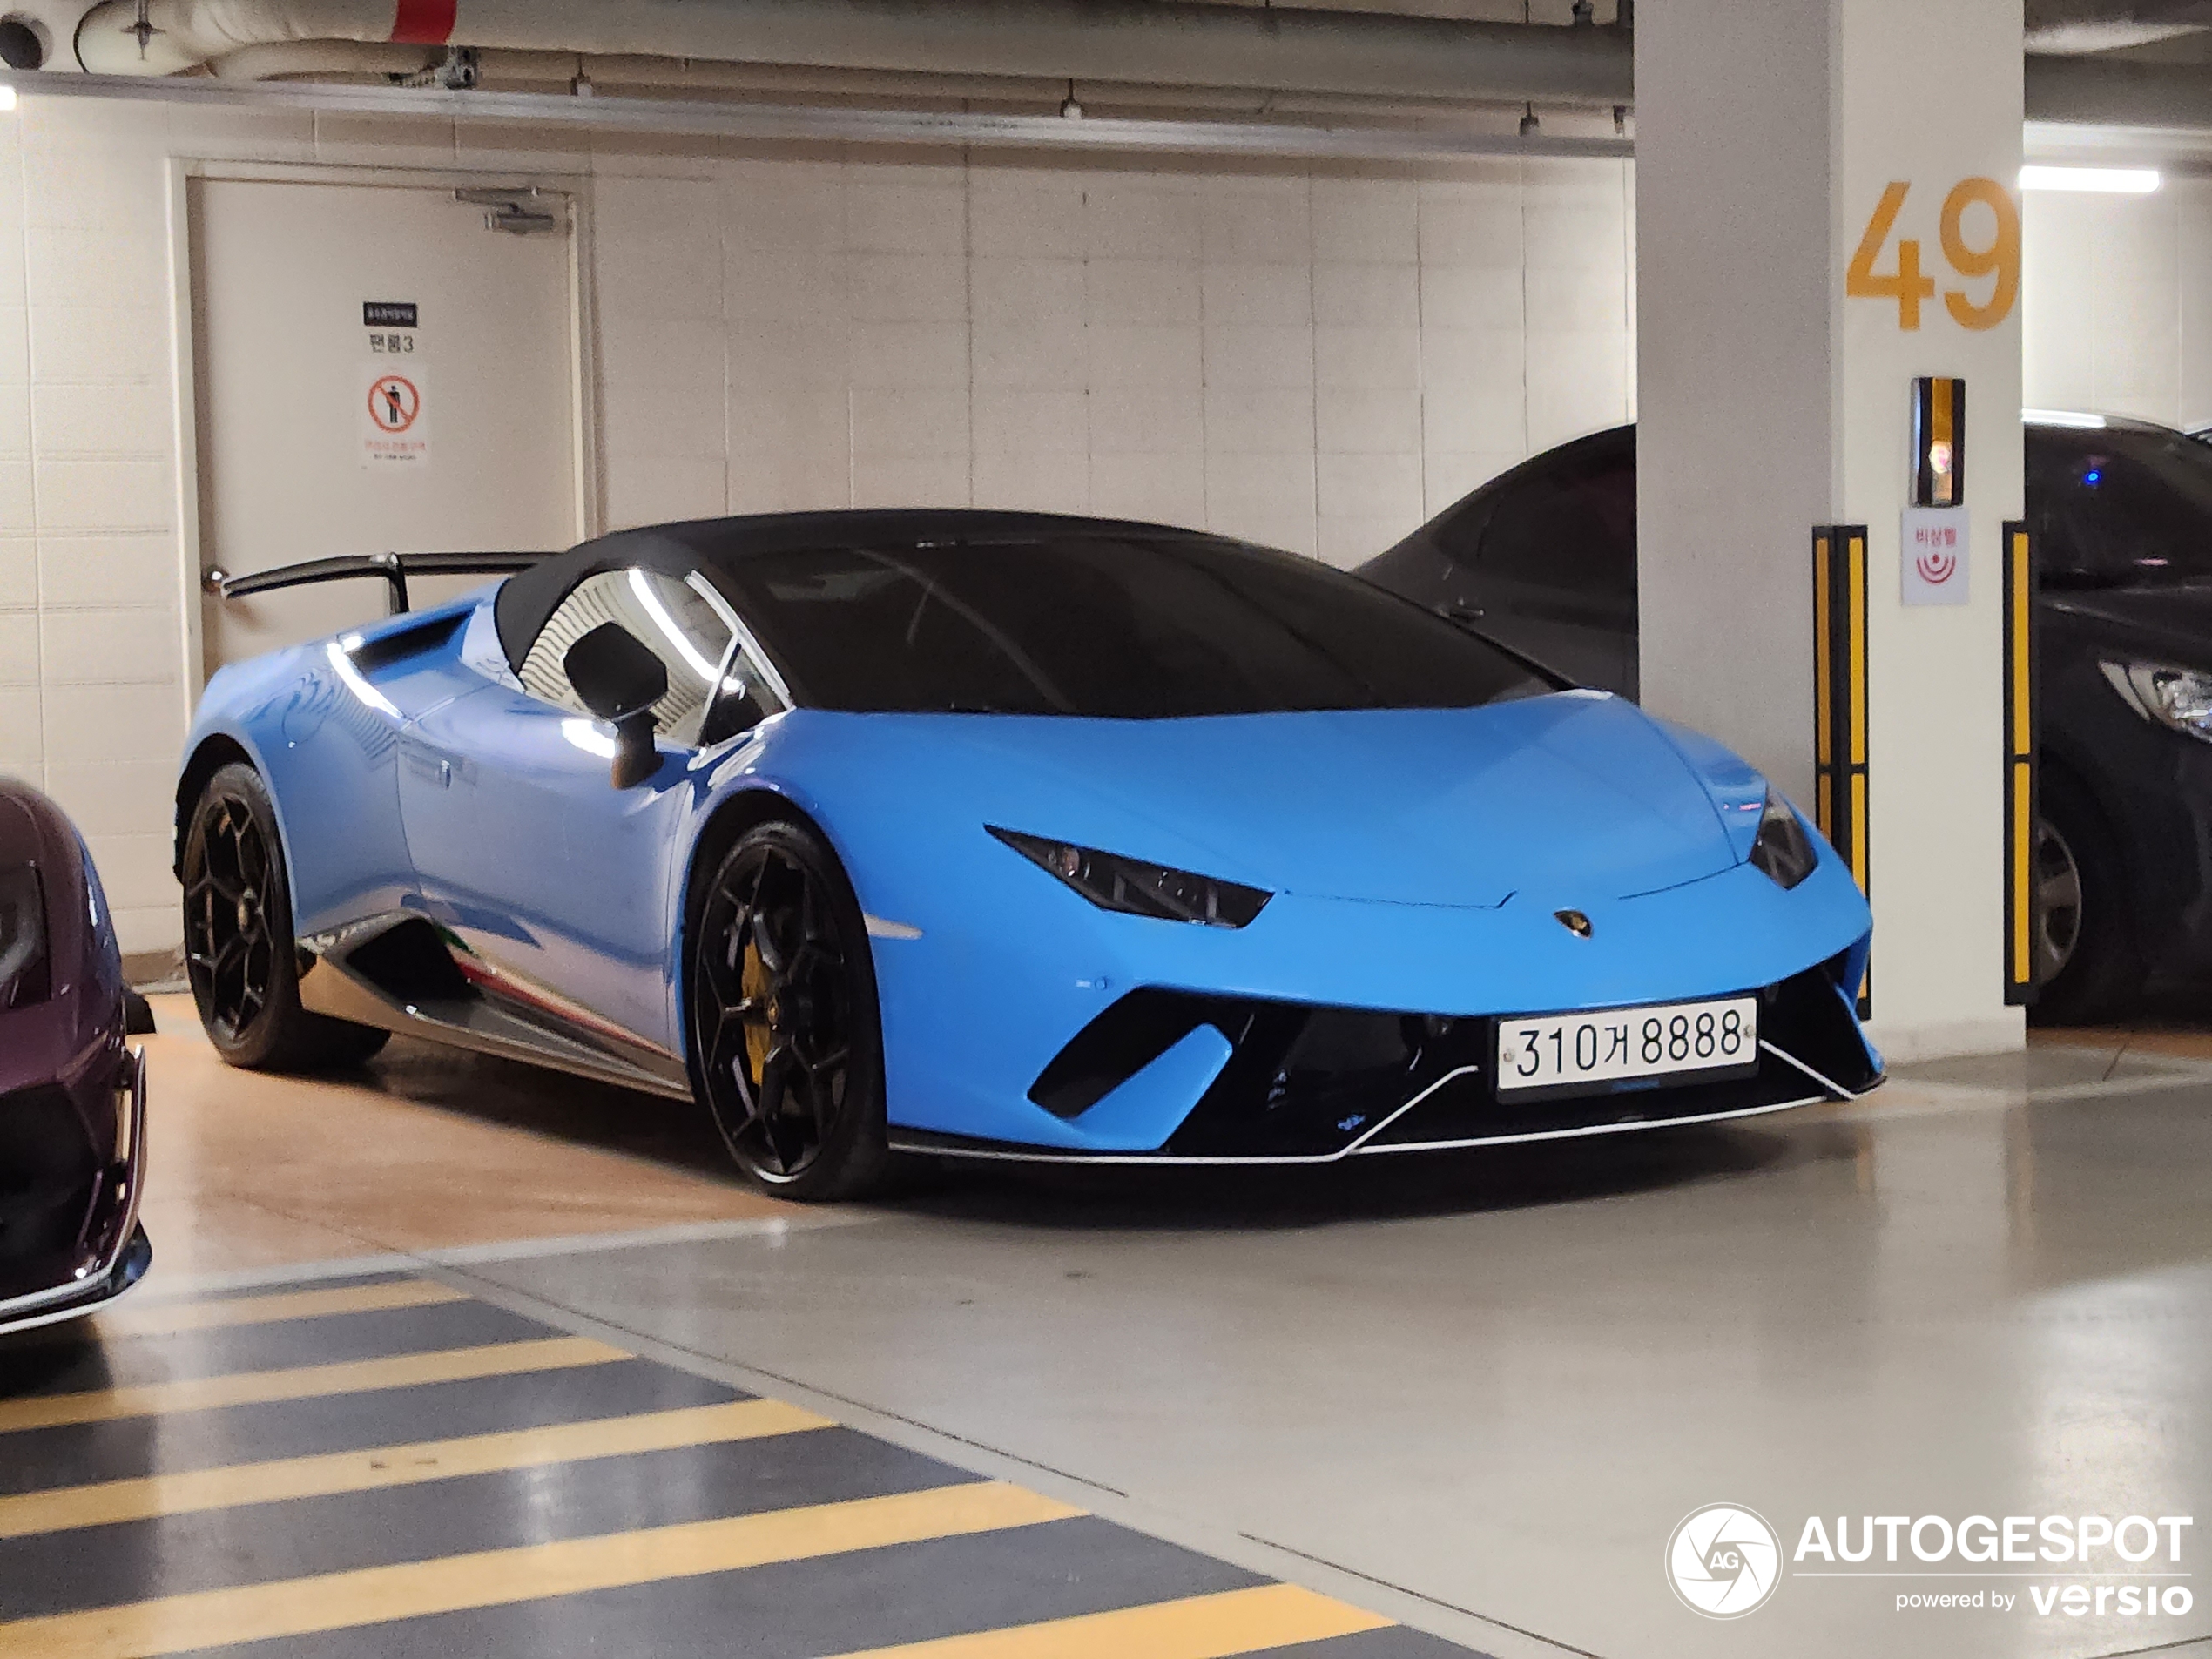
(395, 424)
(1933, 570)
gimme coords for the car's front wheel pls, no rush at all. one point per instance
(240, 952)
(2087, 965)
(787, 1052)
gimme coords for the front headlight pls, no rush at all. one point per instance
(23, 938)
(1112, 883)
(2179, 697)
(1783, 850)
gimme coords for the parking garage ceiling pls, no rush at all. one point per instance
(1431, 63)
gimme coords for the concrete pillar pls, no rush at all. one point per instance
(1770, 399)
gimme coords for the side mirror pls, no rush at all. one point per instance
(620, 680)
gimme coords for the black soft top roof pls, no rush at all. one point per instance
(528, 597)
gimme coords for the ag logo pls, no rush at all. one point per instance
(1723, 1562)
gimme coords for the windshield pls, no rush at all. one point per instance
(2120, 505)
(1105, 626)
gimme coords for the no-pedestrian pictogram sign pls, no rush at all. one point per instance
(394, 402)
(395, 424)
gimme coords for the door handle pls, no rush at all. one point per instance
(431, 768)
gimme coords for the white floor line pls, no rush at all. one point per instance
(1904, 1097)
(2172, 1079)
(163, 1287)
(2038, 1094)
(678, 1233)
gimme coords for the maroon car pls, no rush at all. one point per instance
(73, 1091)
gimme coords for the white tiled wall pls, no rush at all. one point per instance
(91, 701)
(2116, 298)
(1318, 361)
(1316, 358)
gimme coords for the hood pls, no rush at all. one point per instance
(2173, 622)
(1578, 794)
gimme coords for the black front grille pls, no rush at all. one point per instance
(1306, 1081)
(48, 1177)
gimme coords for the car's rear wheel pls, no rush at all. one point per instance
(240, 952)
(786, 1047)
(2087, 964)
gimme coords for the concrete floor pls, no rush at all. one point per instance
(1471, 1394)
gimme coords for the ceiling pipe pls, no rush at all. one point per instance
(1175, 43)
(513, 70)
(289, 58)
(818, 122)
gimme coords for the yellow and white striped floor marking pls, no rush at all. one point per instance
(304, 1382)
(501, 1577)
(1199, 1627)
(170, 1318)
(60, 1509)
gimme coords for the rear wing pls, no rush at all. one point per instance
(392, 568)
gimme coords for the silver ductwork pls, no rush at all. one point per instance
(1167, 42)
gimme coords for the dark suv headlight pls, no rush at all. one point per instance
(1112, 883)
(2178, 698)
(23, 938)
(1783, 850)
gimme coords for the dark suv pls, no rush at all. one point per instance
(1543, 559)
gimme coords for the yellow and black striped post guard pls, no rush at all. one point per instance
(2020, 801)
(1839, 702)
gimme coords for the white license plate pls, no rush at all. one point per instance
(1612, 1045)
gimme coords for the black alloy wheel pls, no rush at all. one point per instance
(2088, 966)
(2057, 902)
(227, 921)
(783, 1017)
(238, 948)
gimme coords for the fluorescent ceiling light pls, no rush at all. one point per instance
(2112, 181)
(2062, 417)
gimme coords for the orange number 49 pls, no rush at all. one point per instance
(1908, 286)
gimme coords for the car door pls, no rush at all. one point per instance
(522, 845)
(1550, 560)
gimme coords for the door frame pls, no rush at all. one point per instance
(584, 368)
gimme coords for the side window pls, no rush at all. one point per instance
(750, 692)
(684, 622)
(1573, 529)
(1460, 533)
(2104, 514)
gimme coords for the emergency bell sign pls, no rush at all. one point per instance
(391, 392)
(1932, 550)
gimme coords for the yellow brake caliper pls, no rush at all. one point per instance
(753, 985)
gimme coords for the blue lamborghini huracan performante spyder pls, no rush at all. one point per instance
(1003, 835)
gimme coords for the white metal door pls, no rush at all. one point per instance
(377, 371)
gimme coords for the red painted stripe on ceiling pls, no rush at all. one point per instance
(423, 22)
